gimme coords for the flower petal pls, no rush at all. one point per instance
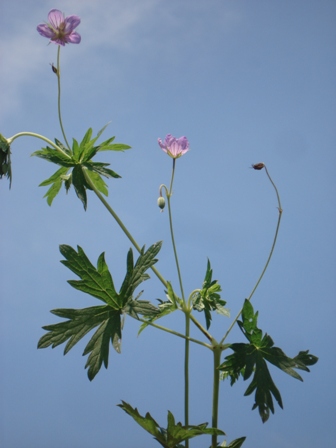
(71, 22)
(174, 147)
(55, 18)
(45, 31)
(74, 38)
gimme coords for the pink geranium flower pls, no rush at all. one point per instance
(60, 29)
(174, 147)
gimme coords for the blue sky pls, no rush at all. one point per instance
(246, 81)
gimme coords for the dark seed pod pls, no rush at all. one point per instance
(258, 166)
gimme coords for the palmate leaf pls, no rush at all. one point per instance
(174, 434)
(85, 174)
(98, 282)
(251, 358)
(79, 324)
(207, 299)
(56, 180)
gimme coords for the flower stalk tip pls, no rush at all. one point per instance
(174, 147)
(60, 29)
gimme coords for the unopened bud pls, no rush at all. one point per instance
(161, 202)
(54, 69)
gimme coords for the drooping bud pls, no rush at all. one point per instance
(258, 166)
(161, 203)
(54, 69)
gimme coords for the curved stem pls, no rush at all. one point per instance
(269, 256)
(41, 137)
(121, 224)
(58, 74)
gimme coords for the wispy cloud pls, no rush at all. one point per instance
(106, 23)
(153, 26)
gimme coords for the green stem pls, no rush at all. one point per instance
(186, 371)
(41, 137)
(217, 350)
(201, 328)
(121, 224)
(175, 333)
(172, 231)
(58, 74)
(269, 256)
(186, 309)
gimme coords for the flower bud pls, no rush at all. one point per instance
(54, 69)
(161, 202)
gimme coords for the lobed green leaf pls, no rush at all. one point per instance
(98, 282)
(207, 299)
(175, 432)
(251, 358)
(78, 158)
(165, 307)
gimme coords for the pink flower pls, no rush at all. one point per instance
(174, 147)
(60, 29)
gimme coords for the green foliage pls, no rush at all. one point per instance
(237, 443)
(78, 160)
(5, 160)
(109, 317)
(174, 434)
(165, 307)
(251, 358)
(207, 299)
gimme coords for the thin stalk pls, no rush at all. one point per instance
(215, 392)
(58, 74)
(269, 256)
(41, 137)
(186, 371)
(201, 328)
(186, 309)
(175, 333)
(172, 231)
(121, 224)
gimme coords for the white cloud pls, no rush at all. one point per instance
(103, 23)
